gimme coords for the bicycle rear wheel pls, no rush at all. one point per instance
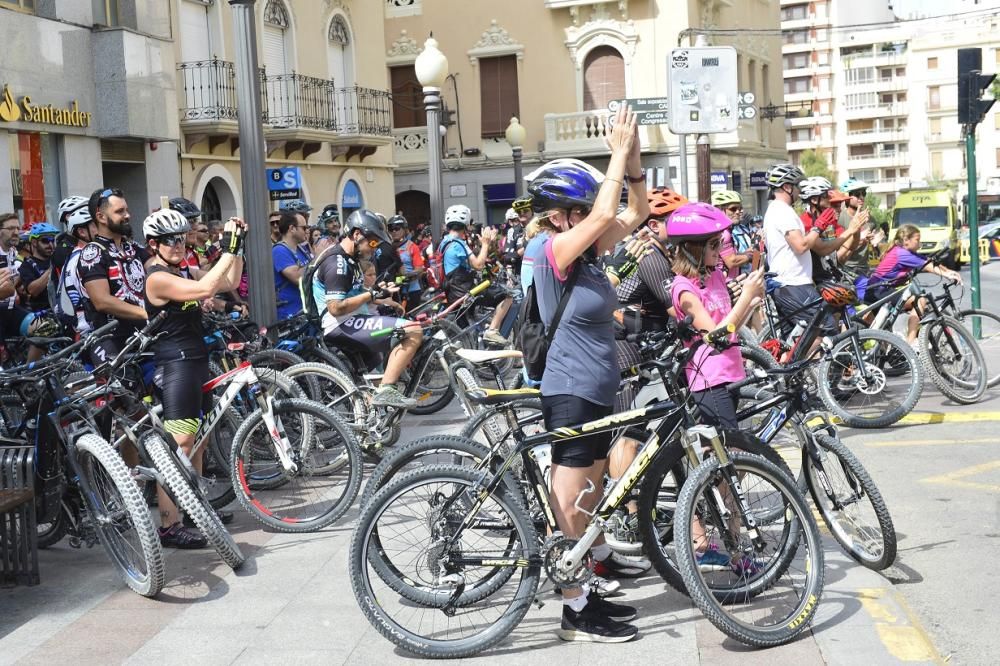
(326, 473)
(770, 608)
(120, 515)
(988, 340)
(413, 520)
(876, 389)
(850, 503)
(953, 360)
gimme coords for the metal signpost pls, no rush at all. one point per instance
(703, 99)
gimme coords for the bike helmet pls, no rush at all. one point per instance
(165, 222)
(852, 185)
(330, 212)
(522, 204)
(457, 217)
(397, 221)
(837, 295)
(69, 205)
(185, 207)
(696, 221)
(511, 214)
(722, 198)
(815, 186)
(836, 196)
(78, 218)
(564, 184)
(296, 206)
(39, 229)
(663, 201)
(784, 174)
(368, 223)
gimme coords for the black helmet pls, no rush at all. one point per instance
(185, 207)
(397, 220)
(297, 206)
(330, 212)
(369, 223)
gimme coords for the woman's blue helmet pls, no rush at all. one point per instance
(564, 183)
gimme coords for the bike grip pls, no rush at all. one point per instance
(104, 330)
(381, 333)
(480, 288)
(720, 334)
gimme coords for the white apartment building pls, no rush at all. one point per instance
(880, 94)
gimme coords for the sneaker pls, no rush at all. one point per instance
(621, 566)
(712, 560)
(592, 626)
(389, 396)
(603, 587)
(225, 517)
(493, 337)
(618, 612)
(178, 536)
(746, 566)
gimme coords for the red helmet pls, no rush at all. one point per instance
(663, 201)
(837, 295)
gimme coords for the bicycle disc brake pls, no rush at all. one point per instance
(554, 548)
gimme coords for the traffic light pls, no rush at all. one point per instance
(971, 84)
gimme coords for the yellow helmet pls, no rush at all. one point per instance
(722, 198)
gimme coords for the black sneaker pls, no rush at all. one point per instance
(178, 536)
(591, 626)
(225, 516)
(619, 612)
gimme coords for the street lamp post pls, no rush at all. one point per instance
(515, 136)
(262, 302)
(432, 70)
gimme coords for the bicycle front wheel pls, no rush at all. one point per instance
(988, 338)
(443, 601)
(772, 601)
(953, 360)
(850, 502)
(870, 381)
(307, 483)
(120, 516)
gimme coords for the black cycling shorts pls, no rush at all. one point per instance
(717, 406)
(790, 298)
(354, 335)
(492, 297)
(178, 385)
(569, 410)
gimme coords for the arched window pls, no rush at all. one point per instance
(339, 54)
(603, 78)
(276, 39)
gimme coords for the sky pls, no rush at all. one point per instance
(903, 8)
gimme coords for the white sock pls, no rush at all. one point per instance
(601, 552)
(576, 603)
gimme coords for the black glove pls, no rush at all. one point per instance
(378, 293)
(232, 242)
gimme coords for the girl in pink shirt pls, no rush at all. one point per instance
(699, 290)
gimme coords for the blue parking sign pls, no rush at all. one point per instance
(284, 183)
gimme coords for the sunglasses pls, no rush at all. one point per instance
(107, 194)
(397, 227)
(735, 209)
(861, 194)
(172, 241)
(47, 240)
(580, 210)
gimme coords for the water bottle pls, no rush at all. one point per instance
(880, 317)
(543, 456)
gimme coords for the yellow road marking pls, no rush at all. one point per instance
(956, 478)
(927, 418)
(933, 442)
(902, 636)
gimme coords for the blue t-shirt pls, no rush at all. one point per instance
(528, 263)
(454, 254)
(284, 289)
(581, 359)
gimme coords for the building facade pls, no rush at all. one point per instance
(88, 97)
(325, 106)
(556, 65)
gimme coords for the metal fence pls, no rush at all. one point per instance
(209, 90)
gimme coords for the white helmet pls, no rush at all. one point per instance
(458, 215)
(78, 218)
(816, 186)
(70, 204)
(165, 222)
(565, 162)
(511, 214)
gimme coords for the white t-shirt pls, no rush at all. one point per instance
(791, 268)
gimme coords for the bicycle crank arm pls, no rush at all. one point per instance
(140, 473)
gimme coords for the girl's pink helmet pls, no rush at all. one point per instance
(696, 221)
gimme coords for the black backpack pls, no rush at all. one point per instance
(535, 340)
(306, 281)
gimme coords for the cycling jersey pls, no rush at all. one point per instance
(649, 288)
(31, 269)
(70, 294)
(122, 268)
(413, 260)
(513, 240)
(182, 331)
(897, 265)
(338, 278)
(284, 257)
(387, 262)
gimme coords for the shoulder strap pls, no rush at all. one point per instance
(549, 334)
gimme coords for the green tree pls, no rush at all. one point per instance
(814, 163)
(879, 216)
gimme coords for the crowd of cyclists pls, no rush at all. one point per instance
(606, 257)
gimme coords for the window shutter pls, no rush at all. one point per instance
(274, 50)
(498, 94)
(197, 42)
(407, 97)
(603, 78)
